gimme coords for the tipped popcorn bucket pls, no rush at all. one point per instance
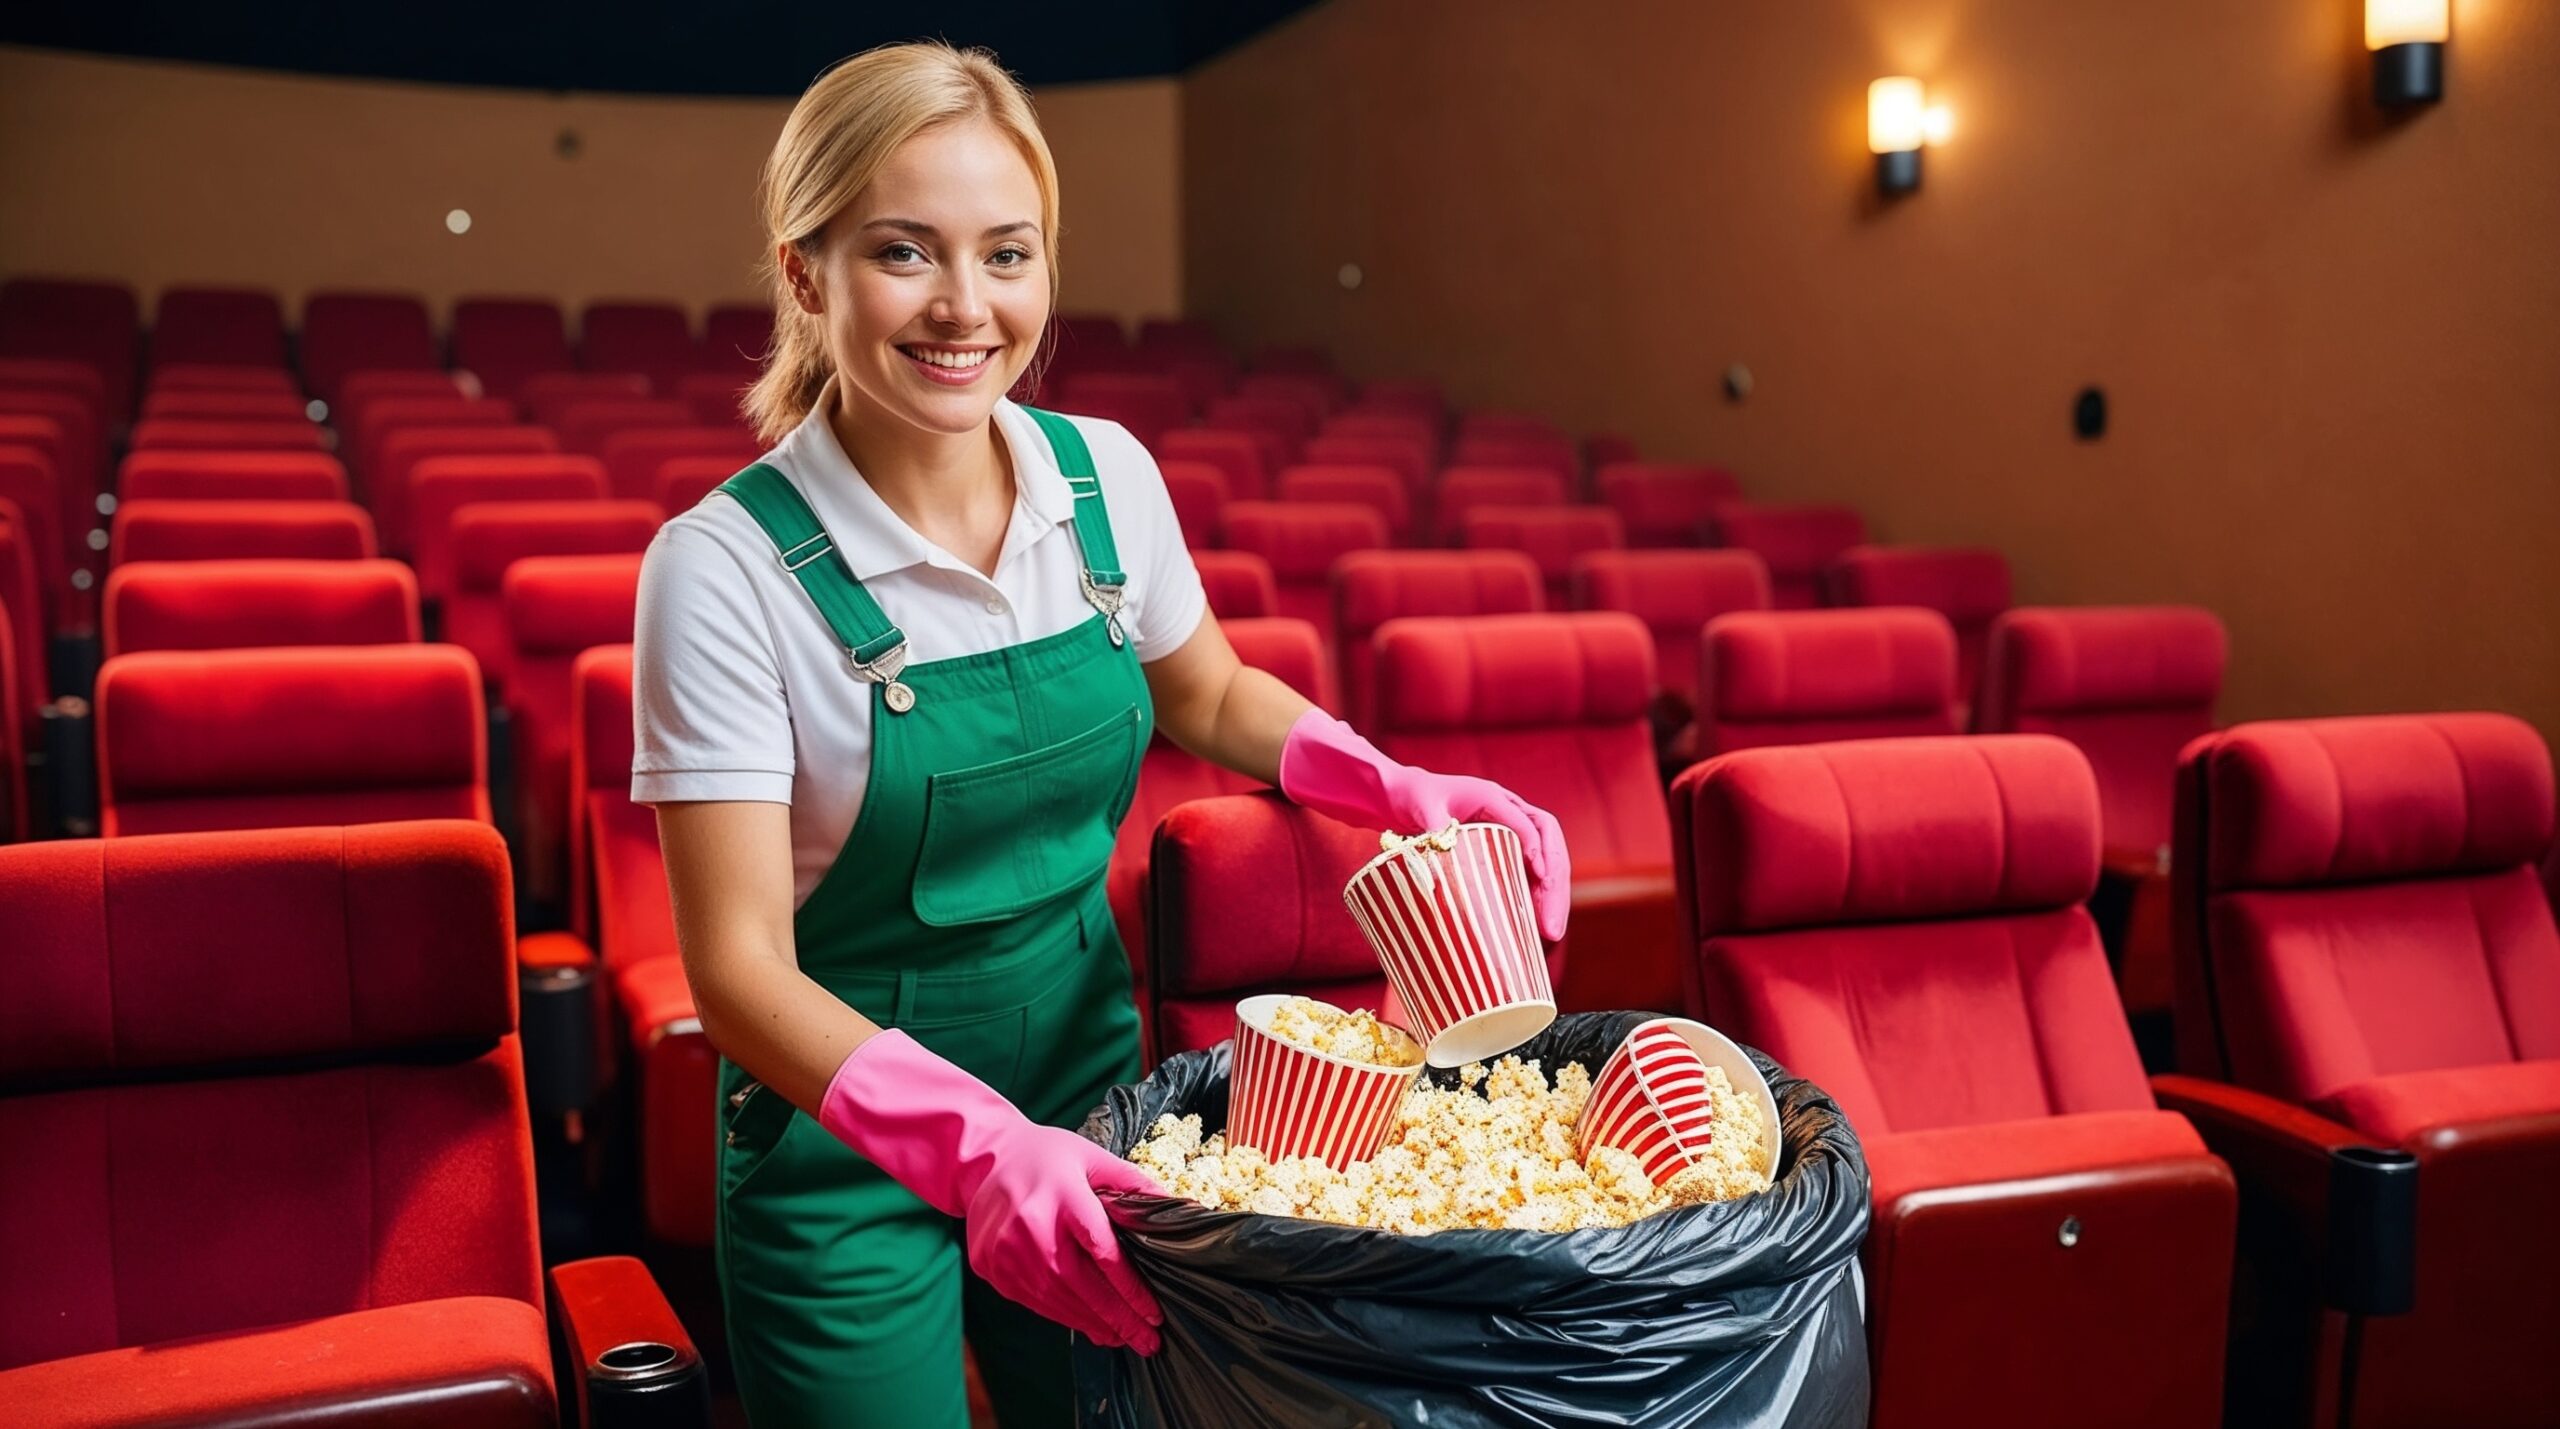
(1286, 1100)
(1449, 914)
(1650, 1099)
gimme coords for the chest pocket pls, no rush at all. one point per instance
(1003, 838)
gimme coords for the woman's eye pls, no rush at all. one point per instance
(1010, 257)
(902, 253)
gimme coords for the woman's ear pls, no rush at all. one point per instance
(803, 283)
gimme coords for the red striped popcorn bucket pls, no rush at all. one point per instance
(1449, 914)
(1286, 1100)
(1650, 1099)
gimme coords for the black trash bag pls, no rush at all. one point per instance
(1742, 1312)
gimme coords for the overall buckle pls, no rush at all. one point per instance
(884, 669)
(1107, 597)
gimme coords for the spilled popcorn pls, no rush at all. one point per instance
(1355, 1036)
(1495, 1153)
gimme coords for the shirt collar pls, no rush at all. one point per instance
(873, 539)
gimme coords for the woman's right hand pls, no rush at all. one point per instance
(1029, 1194)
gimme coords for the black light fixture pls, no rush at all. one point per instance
(2407, 39)
(1899, 122)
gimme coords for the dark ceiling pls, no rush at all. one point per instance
(752, 47)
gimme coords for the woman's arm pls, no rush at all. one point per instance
(729, 871)
(1221, 709)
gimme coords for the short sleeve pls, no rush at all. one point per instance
(1166, 600)
(711, 720)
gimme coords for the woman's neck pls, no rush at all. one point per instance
(954, 489)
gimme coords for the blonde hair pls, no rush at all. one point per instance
(838, 138)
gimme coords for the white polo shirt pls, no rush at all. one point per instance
(740, 690)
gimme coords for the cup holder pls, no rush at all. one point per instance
(2373, 1230)
(638, 1359)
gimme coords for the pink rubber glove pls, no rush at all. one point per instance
(1326, 766)
(1030, 1194)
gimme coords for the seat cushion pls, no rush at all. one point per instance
(2398, 1110)
(1907, 1163)
(476, 1360)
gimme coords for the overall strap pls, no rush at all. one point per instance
(801, 544)
(1093, 524)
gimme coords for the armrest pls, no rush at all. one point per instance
(556, 990)
(2134, 864)
(623, 1349)
(68, 743)
(2274, 1147)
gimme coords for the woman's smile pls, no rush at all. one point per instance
(948, 366)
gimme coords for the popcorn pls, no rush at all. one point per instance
(1495, 1153)
(1356, 1036)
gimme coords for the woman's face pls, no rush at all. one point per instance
(934, 284)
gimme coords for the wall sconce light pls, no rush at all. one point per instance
(2407, 39)
(1899, 121)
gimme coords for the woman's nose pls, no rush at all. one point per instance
(960, 301)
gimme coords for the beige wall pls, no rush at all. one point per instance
(2333, 350)
(160, 174)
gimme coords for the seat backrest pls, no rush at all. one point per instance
(1377, 487)
(371, 426)
(1900, 921)
(2358, 898)
(440, 486)
(1550, 706)
(1969, 585)
(1199, 494)
(1551, 536)
(1665, 503)
(231, 476)
(1239, 584)
(252, 1079)
(263, 739)
(224, 405)
(22, 702)
(1805, 676)
(1284, 423)
(1798, 541)
(1302, 540)
(557, 608)
(1409, 456)
(239, 327)
(503, 341)
(1555, 455)
(207, 377)
(294, 434)
(96, 324)
(1245, 897)
(2130, 685)
(388, 484)
(33, 498)
(1237, 454)
(13, 734)
(231, 605)
(363, 332)
(1170, 775)
(651, 338)
(736, 337)
(1675, 593)
(1463, 488)
(1146, 403)
(1371, 588)
(546, 395)
(586, 426)
(718, 399)
(240, 530)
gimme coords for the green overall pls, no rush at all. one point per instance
(966, 907)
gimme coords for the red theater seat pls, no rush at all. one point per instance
(488, 537)
(503, 341)
(632, 457)
(1239, 584)
(1675, 594)
(76, 466)
(1799, 542)
(1608, 449)
(231, 476)
(1230, 884)
(372, 426)
(265, 739)
(683, 481)
(1238, 454)
(1371, 588)
(1969, 585)
(1147, 404)
(653, 339)
(1464, 488)
(76, 380)
(388, 485)
(1316, 393)
(344, 333)
(1377, 487)
(294, 434)
(586, 426)
(2366, 953)
(1408, 428)
(1418, 397)
(1807, 676)
(736, 337)
(557, 607)
(441, 486)
(1665, 503)
(1553, 708)
(240, 530)
(13, 746)
(1410, 456)
(24, 696)
(97, 325)
(1301, 542)
(718, 399)
(218, 404)
(1169, 775)
(546, 395)
(1199, 493)
(230, 605)
(362, 391)
(217, 327)
(1284, 421)
(201, 377)
(1552, 454)
(33, 499)
(2130, 685)
(1899, 921)
(262, 1100)
(1553, 537)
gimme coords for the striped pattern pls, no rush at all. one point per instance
(1651, 1101)
(1285, 1100)
(1456, 933)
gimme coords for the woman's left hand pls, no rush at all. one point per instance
(1328, 767)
